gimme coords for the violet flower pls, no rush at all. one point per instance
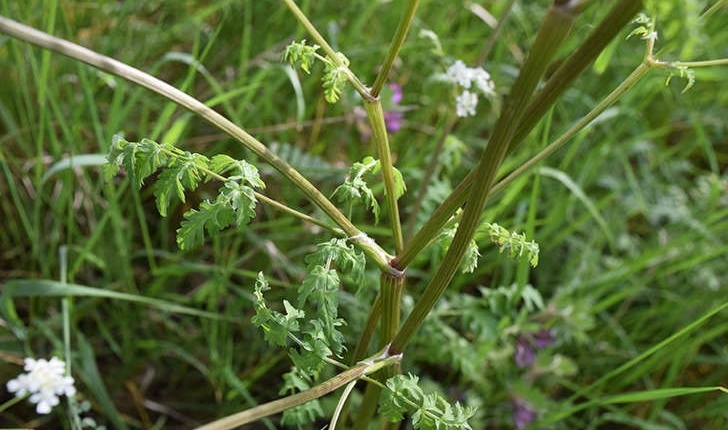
(393, 117)
(523, 413)
(523, 356)
(524, 353)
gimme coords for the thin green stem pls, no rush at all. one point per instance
(311, 29)
(399, 36)
(713, 9)
(340, 406)
(13, 401)
(379, 133)
(620, 14)
(705, 63)
(373, 364)
(107, 64)
(553, 32)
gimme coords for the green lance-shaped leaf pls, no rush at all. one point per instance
(321, 286)
(241, 200)
(211, 217)
(182, 173)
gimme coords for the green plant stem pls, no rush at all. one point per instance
(705, 63)
(107, 64)
(553, 32)
(391, 294)
(12, 401)
(713, 9)
(399, 36)
(351, 77)
(379, 133)
(373, 364)
(620, 14)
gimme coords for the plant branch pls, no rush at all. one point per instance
(553, 32)
(379, 133)
(107, 64)
(399, 35)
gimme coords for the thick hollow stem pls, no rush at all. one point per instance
(391, 293)
(552, 33)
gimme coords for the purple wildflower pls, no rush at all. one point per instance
(396, 93)
(543, 338)
(393, 120)
(524, 353)
(393, 117)
(523, 413)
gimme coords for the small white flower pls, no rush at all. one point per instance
(44, 381)
(466, 103)
(483, 82)
(459, 74)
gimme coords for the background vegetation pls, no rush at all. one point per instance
(631, 217)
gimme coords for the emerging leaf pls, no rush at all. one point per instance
(334, 78)
(298, 53)
(355, 189)
(343, 256)
(513, 243)
(275, 325)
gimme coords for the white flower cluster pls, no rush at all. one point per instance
(467, 78)
(44, 381)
